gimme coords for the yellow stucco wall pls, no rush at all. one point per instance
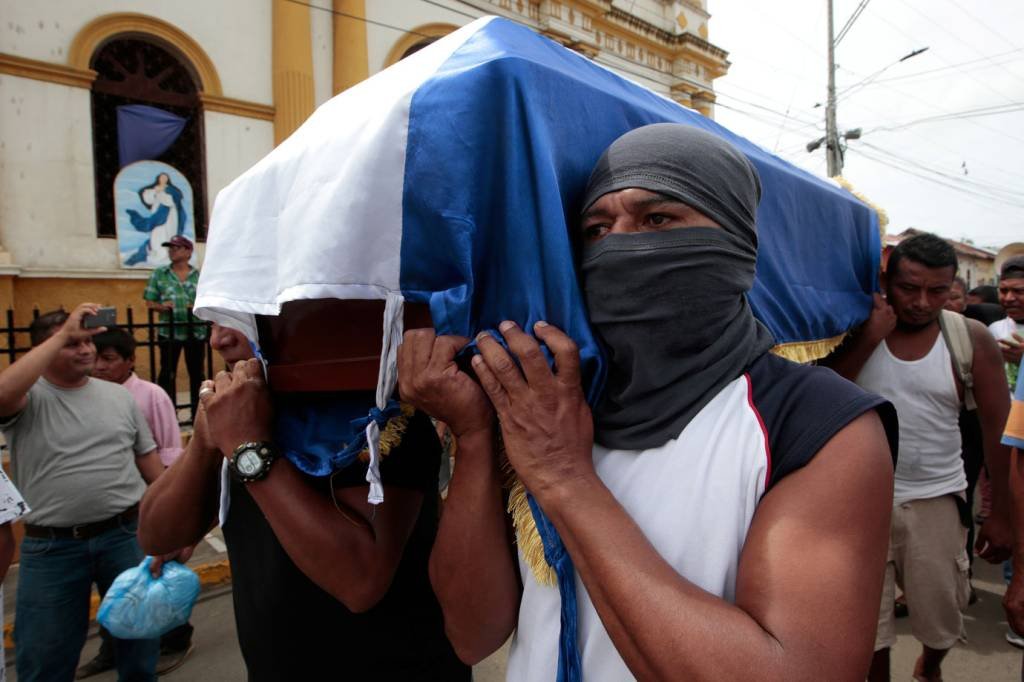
(24, 294)
(47, 293)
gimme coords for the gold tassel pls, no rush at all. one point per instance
(531, 547)
(808, 351)
(883, 216)
(392, 434)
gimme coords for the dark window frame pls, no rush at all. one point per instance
(140, 69)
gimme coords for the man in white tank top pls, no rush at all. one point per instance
(900, 354)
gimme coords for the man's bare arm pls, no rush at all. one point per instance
(16, 380)
(351, 551)
(819, 536)
(992, 394)
(473, 565)
(180, 507)
(6, 548)
(850, 357)
(1013, 600)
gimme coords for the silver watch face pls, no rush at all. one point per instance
(248, 463)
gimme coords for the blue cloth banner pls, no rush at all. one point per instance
(145, 132)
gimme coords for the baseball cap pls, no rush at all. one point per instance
(178, 240)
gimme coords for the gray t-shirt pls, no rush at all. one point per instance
(73, 452)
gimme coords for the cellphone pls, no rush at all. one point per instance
(104, 317)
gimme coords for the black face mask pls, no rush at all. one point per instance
(671, 310)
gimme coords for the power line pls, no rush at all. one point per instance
(951, 66)
(957, 115)
(979, 124)
(938, 181)
(981, 24)
(957, 37)
(849, 22)
(985, 186)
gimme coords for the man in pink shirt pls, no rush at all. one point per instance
(115, 362)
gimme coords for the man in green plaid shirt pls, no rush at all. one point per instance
(172, 291)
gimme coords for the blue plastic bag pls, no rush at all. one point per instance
(139, 606)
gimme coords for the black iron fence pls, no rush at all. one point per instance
(148, 333)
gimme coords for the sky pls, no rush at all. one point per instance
(942, 147)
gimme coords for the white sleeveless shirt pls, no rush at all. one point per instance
(695, 496)
(925, 396)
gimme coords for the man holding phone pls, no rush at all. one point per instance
(82, 455)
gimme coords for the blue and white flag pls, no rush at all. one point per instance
(453, 178)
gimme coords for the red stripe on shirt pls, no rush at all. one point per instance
(764, 430)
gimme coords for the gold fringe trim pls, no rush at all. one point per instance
(808, 351)
(392, 434)
(531, 547)
(883, 217)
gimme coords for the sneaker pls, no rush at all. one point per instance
(172, 660)
(1014, 639)
(100, 664)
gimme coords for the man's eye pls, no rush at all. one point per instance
(592, 232)
(657, 219)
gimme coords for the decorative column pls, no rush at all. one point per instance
(704, 102)
(293, 68)
(351, 62)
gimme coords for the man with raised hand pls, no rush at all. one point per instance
(82, 455)
(711, 501)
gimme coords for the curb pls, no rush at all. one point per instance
(211, 575)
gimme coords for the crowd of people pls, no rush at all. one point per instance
(709, 504)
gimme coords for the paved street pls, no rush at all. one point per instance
(985, 656)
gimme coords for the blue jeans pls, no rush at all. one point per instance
(52, 609)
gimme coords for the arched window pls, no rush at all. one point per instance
(132, 70)
(418, 46)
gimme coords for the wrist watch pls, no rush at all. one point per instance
(251, 461)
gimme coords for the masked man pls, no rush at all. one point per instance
(712, 501)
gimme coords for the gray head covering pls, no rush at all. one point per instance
(686, 163)
(670, 307)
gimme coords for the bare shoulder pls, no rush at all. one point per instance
(819, 537)
(979, 332)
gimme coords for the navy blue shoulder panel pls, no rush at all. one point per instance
(803, 406)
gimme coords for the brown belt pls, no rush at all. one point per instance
(84, 531)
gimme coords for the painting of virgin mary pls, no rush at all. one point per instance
(157, 210)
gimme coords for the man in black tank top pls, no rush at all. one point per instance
(324, 585)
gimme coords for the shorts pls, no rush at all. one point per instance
(927, 559)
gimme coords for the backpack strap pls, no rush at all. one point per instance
(958, 340)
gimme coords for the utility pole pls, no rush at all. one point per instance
(833, 153)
